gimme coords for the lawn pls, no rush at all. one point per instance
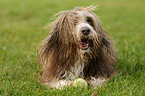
(22, 29)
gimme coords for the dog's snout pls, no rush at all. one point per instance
(85, 30)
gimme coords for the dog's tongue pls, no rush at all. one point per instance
(85, 45)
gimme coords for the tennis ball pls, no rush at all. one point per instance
(80, 83)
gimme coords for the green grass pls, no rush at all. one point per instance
(21, 31)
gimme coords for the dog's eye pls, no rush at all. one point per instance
(89, 21)
(75, 22)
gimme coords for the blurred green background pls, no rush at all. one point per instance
(22, 29)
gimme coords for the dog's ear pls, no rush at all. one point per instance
(59, 36)
(104, 56)
(58, 52)
(107, 55)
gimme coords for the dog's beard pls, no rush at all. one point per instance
(88, 47)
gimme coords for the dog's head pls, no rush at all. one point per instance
(79, 26)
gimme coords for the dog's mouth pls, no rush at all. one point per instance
(85, 43)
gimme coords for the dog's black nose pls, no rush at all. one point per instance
(85, 30)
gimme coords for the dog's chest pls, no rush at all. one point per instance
(76, 71)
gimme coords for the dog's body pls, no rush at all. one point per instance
(77, 47)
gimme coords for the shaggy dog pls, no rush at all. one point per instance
(77, 47)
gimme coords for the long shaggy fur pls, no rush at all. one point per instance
(61, 55)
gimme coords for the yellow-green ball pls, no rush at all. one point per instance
(80, 83)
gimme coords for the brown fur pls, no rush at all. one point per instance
(60, 51)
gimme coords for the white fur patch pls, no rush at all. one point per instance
(97, 82)
(76, 71)
(59, 84)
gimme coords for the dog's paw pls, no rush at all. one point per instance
(60, 84)
(94, 82)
